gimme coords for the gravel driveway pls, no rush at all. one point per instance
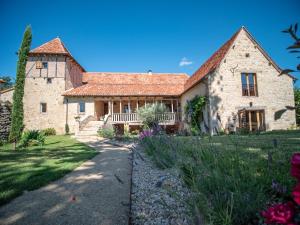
(97, 192)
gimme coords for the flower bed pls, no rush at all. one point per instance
(233, 177)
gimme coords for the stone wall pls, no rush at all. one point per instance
(5, 120)
(73, 110)
(7, 95)
(274, 92)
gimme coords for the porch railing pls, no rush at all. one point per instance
(133, 117)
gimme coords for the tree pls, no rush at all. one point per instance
(8, 82)
(294, 48)
(297, 104)
(17, 109)
(149, 114)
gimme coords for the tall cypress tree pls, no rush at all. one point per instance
(17, 110)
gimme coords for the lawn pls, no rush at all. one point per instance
(233, 177)
(29, 169)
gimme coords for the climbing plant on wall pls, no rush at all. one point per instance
(193, 111)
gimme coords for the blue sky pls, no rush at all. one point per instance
(135, 36)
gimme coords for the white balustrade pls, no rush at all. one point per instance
(133, 117)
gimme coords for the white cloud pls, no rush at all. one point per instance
(185, 62)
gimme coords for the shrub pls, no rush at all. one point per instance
(135, 132)
(49, 131)
(32, 137)
(67, 129)
(148, 115)
(107, 132)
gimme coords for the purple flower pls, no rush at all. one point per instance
(145, 133)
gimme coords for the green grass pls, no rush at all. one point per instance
(34, 167)
(231, 175)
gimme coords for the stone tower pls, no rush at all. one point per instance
(50, 71)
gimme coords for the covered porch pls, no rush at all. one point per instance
(120, 110)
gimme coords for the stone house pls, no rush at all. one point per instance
(240, 80)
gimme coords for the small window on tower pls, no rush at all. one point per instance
(43, 107)
(45, 65)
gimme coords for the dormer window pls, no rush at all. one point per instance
(249, 84)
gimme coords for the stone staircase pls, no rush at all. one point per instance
(90, 129)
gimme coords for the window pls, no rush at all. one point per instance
(41, 65)
(249, 84)
(49, 80)
(45, 65)
(81, 107)
(38, 65)
(43, 107)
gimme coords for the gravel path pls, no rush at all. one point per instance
(158, 196)
(97, 192)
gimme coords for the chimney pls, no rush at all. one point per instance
(149, 72)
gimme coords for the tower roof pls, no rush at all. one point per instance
(55, 46)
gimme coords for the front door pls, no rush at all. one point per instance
(252, 119)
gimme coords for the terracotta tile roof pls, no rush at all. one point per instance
(130, 84)
(211, 64)
(55, 46)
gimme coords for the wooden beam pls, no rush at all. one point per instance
(250, 121)
(258, 119)
(248, 87)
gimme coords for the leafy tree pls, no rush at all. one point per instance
(8, 82)
(297, 104)
(149, 115)
(294, 48)
(17, 110)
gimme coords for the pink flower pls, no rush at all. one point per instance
(279, 214)
(295, 165)
(296, 194)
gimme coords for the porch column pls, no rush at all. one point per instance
(137, 104)
(112, 107)
(177, 105)
(129, 108)
(109, 107)
(172, 106)
(120, 106)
